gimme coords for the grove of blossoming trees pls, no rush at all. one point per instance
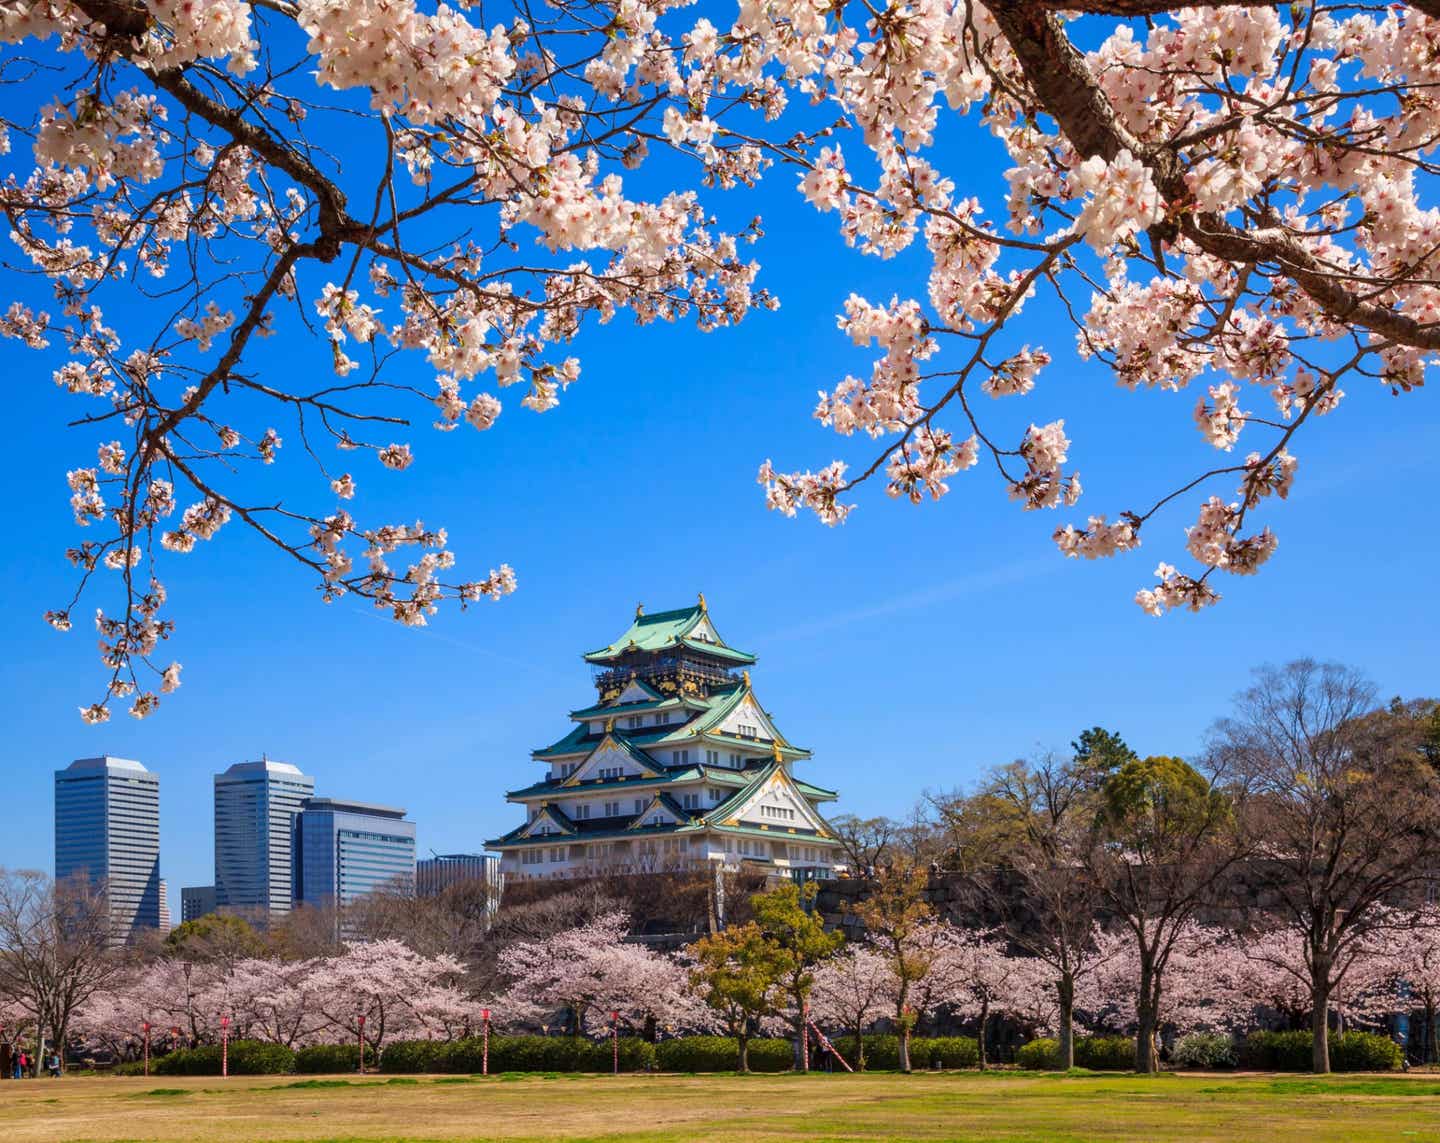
(740, 981)
(1229, 195)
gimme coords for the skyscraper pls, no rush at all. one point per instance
(344, 850)
(107, 828)
(255, 808)
(433, 875)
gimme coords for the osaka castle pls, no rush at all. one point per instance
(676, 765)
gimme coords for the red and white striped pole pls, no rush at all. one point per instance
(485, 1042)
(615, 1040)
(224, 1047)
(804, 1036)
(146, 1026)
(360, 1042)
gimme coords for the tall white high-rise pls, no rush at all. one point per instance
(255, 808)
(107, 829)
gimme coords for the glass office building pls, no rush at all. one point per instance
(107, 829)
(196, 901)
(255, 808)
(344, 850)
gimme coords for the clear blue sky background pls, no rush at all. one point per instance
(910, 649)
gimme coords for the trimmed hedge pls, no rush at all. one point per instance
(945, 1052)
(1349, 1052)
(414, 1057)
(1038, 1055)
(330, 1059)
(1098, 1053)
(246, 1058)
(1105, 1053)
(721, 1054)
(517, 1054)
(1277, 1051)
(1207, 1051)
(882, 1052)
(1364, 1052)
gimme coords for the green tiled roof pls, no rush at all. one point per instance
(601, 710)
(663, 629)
(719, 776)
(719, 650)
(819, 793)
(572, 743)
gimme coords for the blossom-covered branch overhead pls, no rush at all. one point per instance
(1223, 195)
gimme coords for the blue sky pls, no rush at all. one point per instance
(910, 649)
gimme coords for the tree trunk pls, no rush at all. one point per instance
(743, 1040)
(1065, 993)
(980, 1037)
(1320, 1027)
(1430, 1034)
(904, 1045)
(1145, 1011)
(859, 1051)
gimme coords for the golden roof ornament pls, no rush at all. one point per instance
(609, 724)
(777, 752)
(639, 611)
(746, 676)
(703, 607)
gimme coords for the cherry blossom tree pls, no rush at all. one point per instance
(1209, 984)
(1413, 952)
(400, 994)
(984, 981)
(1279, 976)
(852, 989)
(591, 971)
(1229, 196)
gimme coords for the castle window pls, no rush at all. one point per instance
(663, 718)
(581, 812)
(634, 721)
(639, 805)
(746, 731)
(612, 809)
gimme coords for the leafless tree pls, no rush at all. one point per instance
(866, 842)
(1032, 874)
(1342, 806)
(55, 948)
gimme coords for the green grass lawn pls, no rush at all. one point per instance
(950, 1106)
